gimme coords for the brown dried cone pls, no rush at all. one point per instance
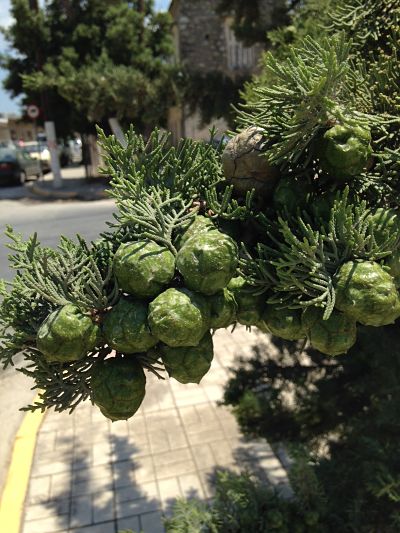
(245, 164)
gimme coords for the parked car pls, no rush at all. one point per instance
(70, 152)
(16, 166)
(39, 151)
(75, 151)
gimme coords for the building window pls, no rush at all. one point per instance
(238, 56)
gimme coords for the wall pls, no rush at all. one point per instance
(205, 42)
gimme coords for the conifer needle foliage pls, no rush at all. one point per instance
(275, 192)
(296, 264)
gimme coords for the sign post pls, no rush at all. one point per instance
(33, 112)
(50, 130)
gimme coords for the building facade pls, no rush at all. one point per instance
(15, 129)
(204, 42)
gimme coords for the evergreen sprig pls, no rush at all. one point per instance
(312, 89)
(155, 215)
(61, 385)
(187, 171)
(47, 279)
(298, 263)
(221, 204)
(69, 275)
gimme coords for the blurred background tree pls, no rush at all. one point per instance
(91, 61)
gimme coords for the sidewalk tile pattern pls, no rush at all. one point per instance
(93, 476)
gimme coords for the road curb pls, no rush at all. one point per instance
(39, 192)
(17, 480)
(54, 195)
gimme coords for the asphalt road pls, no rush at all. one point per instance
(49, 220)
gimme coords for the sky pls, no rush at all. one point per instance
(8, 105)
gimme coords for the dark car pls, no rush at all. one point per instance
(16, 166)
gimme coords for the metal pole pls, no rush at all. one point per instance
(37, 140)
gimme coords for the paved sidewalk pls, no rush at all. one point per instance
(92, 476)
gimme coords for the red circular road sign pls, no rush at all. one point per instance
(32, 111)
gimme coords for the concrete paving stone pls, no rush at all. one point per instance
(150, 404)
(97, 416)
(189, 416)
(92, 486)
(224, 414)
(175, 385)
(119, 429)
(144, 470)
(237, 440)
(82, 458)
(230, 428)
(152, 523)
(163, 420)
(44, 456)
(205, 435)
(103, 506)
(132, 524)
(82, 408)
(215, 376)
(45, 468)
(167, 402)
(203, 456)
(60, 486)
(177, 469)
(126, 473)
(64, 436)
(88, 473)
(138, 433)
(82, 417)
(171, 457)
(81, 511)
(214, 393)
(123, 474)
(66, 446)
(170, 490)
(99, 435)
(177, 439)
(46, 442)
(191, 487)
(207, 480)
(222, 453)
(206, 414)
(45, 525)
(158, 440)
(39, 489)
(190, 397)
(106, 527)
(49, 426)
(101, 453)
(135, 507)
(83, 439)
(132, 492)
(139, 438)
(47, 509)
(122, 450)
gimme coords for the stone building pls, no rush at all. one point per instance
(204, 42)
(14, 128)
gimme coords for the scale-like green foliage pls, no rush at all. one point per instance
(310, 90)
(301, 255)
